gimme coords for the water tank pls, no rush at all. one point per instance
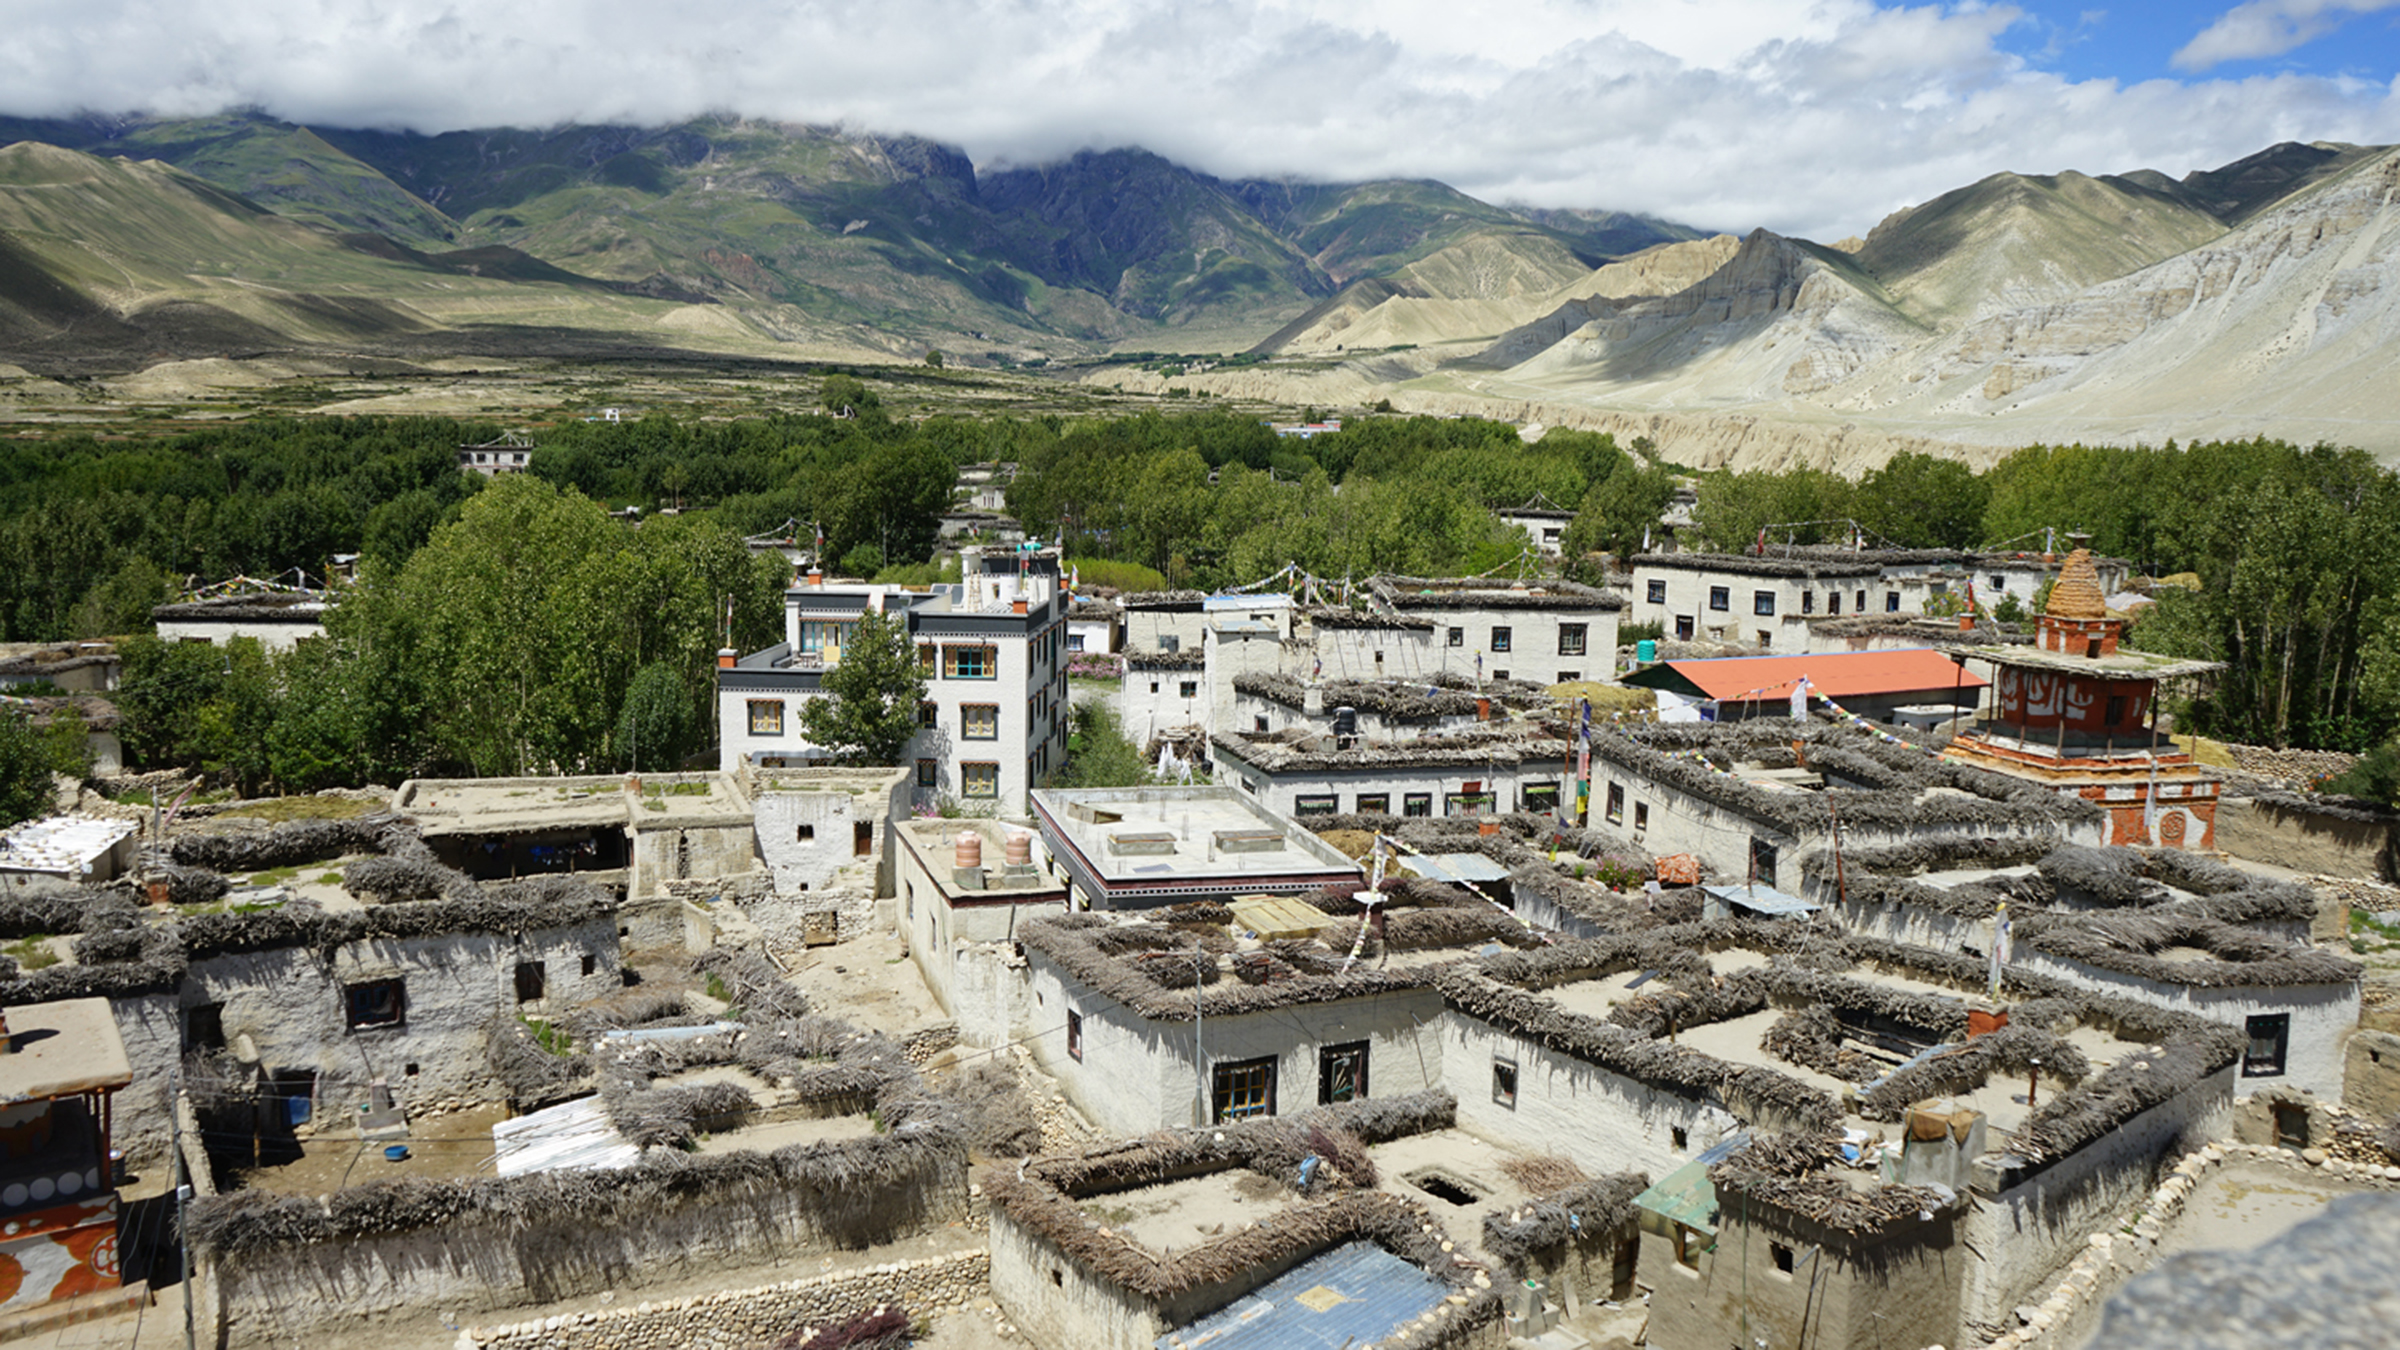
(968, 851)
(1345, 721)
(1646, 650)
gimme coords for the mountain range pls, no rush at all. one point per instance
(2245, 299)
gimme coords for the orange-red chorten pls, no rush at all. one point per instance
(2074, 710)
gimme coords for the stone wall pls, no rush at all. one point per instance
(743, 1319)
(2371, 1074)
(2303, 841)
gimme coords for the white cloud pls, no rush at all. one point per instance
(2259, 28)
(1808, 116)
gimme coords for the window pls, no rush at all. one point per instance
(1569, 676)
(926, 657)
(1762, 602)
(971, 663)
(1074, 642)
(1891, 602)
(1154, 686)
(1500, 675)
(1781, 1255)
(1616, 803)
(1571, 638)
(1504, 1082)
(929, 715)
(1169, 642)
(1641, 816)
(2270, 1038)
(816, 635)
(1808, 602)
(1259, 724)
(1999, 582)
(531, 979)
(1469, 803)
(1688, 1246)
(590, 963)
(1762, 860)
(804, 834)
(1679, 1138)
(1187, 689)
(862, 839)
(1314, 804)
(1075, 1036)
(980, 780)
(1500, 639)
(1833, 602)
(979, 721)
(1342, 1073)
(1658, 592)
(1242, 1089)
(1861, 606)
(766, 717)
(1417, 804)
(1538, 797)
(1374, 803)
(1458, 637)
(928, 773)
(376, 1003)
(204, 1027)
(1720, 597)
(2116, 709)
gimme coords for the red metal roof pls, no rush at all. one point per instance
(1834, 675)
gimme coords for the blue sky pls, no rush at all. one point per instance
(2140, 39)
(1810, 117)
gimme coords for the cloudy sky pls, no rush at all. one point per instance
(1808, 116)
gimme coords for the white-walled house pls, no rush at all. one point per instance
(1543, 631)
(279, 620)
(993, 650)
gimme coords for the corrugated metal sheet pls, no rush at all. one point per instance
(1834, 675)
(1351, 1296)
(577, 1136)
(1458, 868)
(1686, 1195)
(1765, 900)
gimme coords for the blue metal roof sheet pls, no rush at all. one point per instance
(1354, 1295)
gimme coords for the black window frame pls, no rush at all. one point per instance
(1330, 1058)
(1373, 804)
(1187, 689)
(1762, 604)
(1537, 796)
(204, 1027)
(2275, 1027)
(1458, 637)
(1657, 591)
(1615, 811)
(1808, 602)
(1418, 804)
(1891, 602)
(534, 976)
(1574, 639)
(1502, 636)
(1720, 598)
(1075, 1036)
(1317, 804)
(1504, 1082)
(360, 996)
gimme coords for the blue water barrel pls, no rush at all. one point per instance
(1646, 650)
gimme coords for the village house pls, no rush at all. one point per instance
(511, 452)
(2160, 926)
(1879, 685)
(1760, 601)
(1544, 522)
(1545, 631)
(993, 650)
(67, 849)
(1143, 848)
(1839, 1125)
(965, 889)
(1488, 767)
(1749, 800)
(277, 620)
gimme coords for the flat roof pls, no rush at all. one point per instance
(64, 844)
(2124, 664)
(469, 806)
(1153, 846)
(62, 1048)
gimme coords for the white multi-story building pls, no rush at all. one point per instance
(994, 652)
(1542, 632)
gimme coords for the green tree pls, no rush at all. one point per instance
(1918, 501)
(1618, 513)
(24, 770)
(1099, 755)
(869, 713)
(1797, 506)
(656, 726)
